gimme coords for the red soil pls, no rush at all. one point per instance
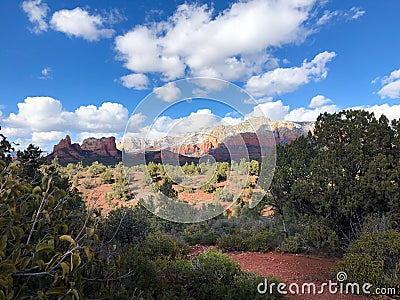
(289, 268)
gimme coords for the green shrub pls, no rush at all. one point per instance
(208, 188)
(254, 239)
(46, 240)
(107, 176)
(374, 258)
(197, 234)
(125, 226)
(163, 245)
(321, 238)
(212, 275)
(293, 244)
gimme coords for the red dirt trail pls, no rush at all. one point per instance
(290, 268)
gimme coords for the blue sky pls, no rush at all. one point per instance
(82, 67)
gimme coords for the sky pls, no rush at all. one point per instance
(83, 67)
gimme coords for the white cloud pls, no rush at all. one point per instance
(355, 13)
(43, 120)
(327, 16)
(168, 93)
(319, 101)
(258, 100)
(42, 138)
(114, 16)
(391, 86)
(39, 114)
(304, 115)
(391, 112)
(231, 121)
(272, 110)
(45, 73)
(165, 126)
(37, 12)
(79, 23)
(284, 80)
(109, 117)
(231, 45)
(135, 81)
(352, 14)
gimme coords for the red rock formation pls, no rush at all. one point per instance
(103, 150)
(102, 147)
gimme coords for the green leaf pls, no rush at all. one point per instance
(90, 231)
(40, 263)
(37, 190)
(57, 291)
(75, 261)
(5, 281)
(69, 239)
(3, 242)
(88, 252)
(52, 261)
(76, 294)
(41, 295)
(8, 266)
(15, 256)
(24, 262)
(2, 296)
(44, 246)
(65, 269)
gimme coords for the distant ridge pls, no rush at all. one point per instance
(212, 141)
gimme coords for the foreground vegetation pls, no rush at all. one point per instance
(334, 193)
(53, 246)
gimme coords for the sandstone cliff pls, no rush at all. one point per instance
(103, 150)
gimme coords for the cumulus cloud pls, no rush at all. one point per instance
(304, 115)
(43, 119)
(319, 101)
(40, 138)
(284, 80)
(135, 81)
(109, 117)
(390, 86)
(163, 126)
(37, 12)
(168, 93)
(166, 126)
(272, 110)
(79, 23)
(39, 114)
(228, 120)
(391, 112)
(196, 42)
